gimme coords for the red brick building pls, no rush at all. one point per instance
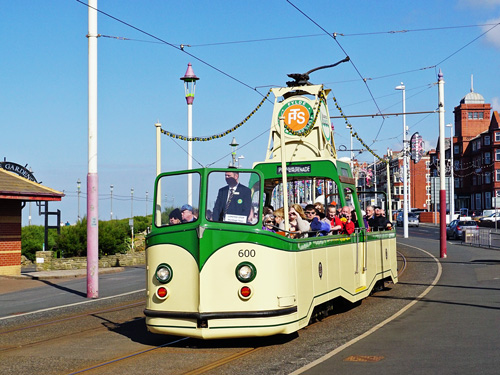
(15, 191)
(476, 154)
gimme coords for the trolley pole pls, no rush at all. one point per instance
(442, 168)
(284, 174)
(158, 171)
(92, 180)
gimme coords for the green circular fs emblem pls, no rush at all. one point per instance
(298, 115)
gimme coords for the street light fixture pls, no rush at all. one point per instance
(405, 165)
(239, 158)
(189, 88)
(234, 147)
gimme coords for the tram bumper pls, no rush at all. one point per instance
(225, 324)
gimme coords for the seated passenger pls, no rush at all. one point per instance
(175, 217)
(187, 213)
(346, 220)
(322, 228)
(378, 222)
(297, 223)
(333, 220)
(269, 223)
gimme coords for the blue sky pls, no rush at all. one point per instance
(43, 100)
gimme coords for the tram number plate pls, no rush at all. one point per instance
(246, 253)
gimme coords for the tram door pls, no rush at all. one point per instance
(360, 245)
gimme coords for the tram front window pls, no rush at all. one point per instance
(177, 199)
(233, 197)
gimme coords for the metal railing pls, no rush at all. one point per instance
(482, 237)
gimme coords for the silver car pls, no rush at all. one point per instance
(413, 220)
(456, 229)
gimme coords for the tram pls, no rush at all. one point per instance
(214, 271)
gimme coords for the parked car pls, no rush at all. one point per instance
(412, 219)
(492, 217)
(456, 229)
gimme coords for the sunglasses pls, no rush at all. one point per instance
(269, 222)
(310, 212)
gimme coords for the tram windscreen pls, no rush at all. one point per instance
(177, 199)
(233, 197)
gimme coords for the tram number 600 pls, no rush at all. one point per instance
(246, 253)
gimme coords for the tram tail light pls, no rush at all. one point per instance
(162, 292)
(245, 292)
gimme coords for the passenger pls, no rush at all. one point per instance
(322, 228)
(233, 199)
(383, 222)
(279, 218)
(298, 208)
(175, 217)
(310, 212)
(297, 223)
(369, 218)
(187, 213)
(346, 219)
(334, 220)
(269, 223)
(319, 207)
(266, 211)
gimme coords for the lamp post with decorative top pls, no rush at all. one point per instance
(189, 88)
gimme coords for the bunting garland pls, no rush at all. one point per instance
(215, 136)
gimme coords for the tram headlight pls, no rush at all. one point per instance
(246, 272)
(164, 273)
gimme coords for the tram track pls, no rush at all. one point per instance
(127, 345)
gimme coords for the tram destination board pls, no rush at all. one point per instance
(303, 168)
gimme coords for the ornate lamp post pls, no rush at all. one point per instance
(234, 146)
(189, 88)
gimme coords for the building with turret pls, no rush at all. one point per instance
(476, 153)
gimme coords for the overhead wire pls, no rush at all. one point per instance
(179, 48)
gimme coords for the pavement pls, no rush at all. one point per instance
(30, 278)
(452, 328)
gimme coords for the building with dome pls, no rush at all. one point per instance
(476, 153)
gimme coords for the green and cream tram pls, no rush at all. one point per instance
(216, 273)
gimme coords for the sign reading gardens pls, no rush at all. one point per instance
(18, 169)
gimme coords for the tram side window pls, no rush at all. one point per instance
(233, 197)
(175, 204)
(303, 190)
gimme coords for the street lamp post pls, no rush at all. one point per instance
(189, 88)
(452, 177)
(405, 165)
(78, 186)
(442, 169)
(111, 212)
(146, 204)
(234, 147)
